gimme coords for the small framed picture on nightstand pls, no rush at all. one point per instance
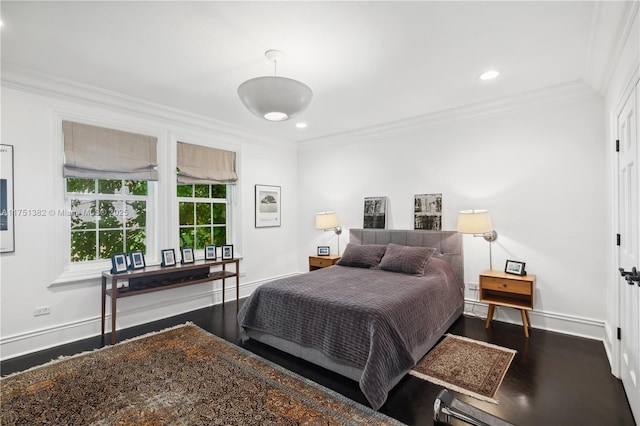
(515, 268)
(323, 250)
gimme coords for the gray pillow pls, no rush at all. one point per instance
(362, 256)
(405, 259)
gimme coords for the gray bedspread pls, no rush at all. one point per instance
(371, 319)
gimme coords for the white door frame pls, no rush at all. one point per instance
(615, 274)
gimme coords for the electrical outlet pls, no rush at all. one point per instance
(473, 286)
(46, 310)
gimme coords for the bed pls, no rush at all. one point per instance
(373, 315)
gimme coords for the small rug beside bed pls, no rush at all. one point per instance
(181, 376)
(467, 366)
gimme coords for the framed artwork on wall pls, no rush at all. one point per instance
(268, 206)
(7, 216)
(427, 212)
(375, 212)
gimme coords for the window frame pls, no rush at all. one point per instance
(227, 201)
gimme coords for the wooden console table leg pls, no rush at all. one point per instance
(237, 285)
(104, 302)
(526, 312)
(114, 298)
(224, 282)
(492, 309)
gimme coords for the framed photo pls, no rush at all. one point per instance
(186, 253)
(209, 252)
(427, 212)
(323, 250)
(227, 252)
(7, 217)
(168, 257)
(375, 215)
(136, 260)
(267, 206)
(515, 268)
(118, 263)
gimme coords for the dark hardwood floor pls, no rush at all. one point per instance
(554, 379)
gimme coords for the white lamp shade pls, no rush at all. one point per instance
(275, 98)
(474, 222)
(326, 220)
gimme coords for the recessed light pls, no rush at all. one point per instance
(489, 75)
(301, 125)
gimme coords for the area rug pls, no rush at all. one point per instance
(466, 366)
(181, 376)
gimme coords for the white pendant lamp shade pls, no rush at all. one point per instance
(275, 98)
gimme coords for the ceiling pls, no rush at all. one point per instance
(368, 62)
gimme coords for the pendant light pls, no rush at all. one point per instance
(275, 98)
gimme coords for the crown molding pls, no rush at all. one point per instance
(611, 26)
(30, 81)
(552, 94)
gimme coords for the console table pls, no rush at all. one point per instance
(158, 278)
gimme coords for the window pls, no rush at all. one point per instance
(107, 216)
(203, 214)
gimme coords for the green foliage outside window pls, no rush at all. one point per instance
(107, 217)
(202, 215)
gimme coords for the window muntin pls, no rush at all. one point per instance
(107, 216)
(203, 215)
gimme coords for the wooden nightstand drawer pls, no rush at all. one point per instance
(317, 262)
(507, 285)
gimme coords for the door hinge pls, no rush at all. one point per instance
(617, 145)
(619, 335)
(617, 239)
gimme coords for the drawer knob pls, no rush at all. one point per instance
(504, 285)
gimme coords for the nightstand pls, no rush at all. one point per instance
(318, 262)
(513, 291)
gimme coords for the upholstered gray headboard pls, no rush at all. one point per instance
(448, 244)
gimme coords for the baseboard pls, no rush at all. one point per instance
(550, 321)
(55, 335)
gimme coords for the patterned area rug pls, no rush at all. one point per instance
(181, 376)
(466, 366)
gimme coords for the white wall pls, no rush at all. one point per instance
(31, 277)
(538, 169)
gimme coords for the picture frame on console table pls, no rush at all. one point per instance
(186, 254)
(323, 250)
(514, 267)
(136, 260)
(227, 252)
(168, 257)
(118, 263)
(210, 252)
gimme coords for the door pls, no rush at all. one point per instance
(628, 225)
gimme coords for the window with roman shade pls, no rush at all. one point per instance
(201, 165)
(107, 178)
(98, 152)
(205, 181)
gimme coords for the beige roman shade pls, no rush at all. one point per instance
(201, 165)
(100, 153)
